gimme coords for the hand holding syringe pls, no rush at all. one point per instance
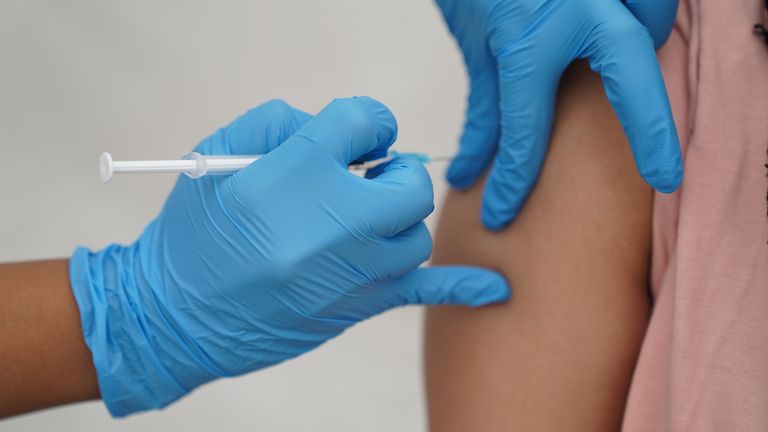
(196, 165)
(238, 275)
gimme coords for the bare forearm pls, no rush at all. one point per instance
(43, 359)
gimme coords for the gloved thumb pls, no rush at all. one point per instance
(457, 285)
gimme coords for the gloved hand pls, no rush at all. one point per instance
(241, 272)
(516, 51)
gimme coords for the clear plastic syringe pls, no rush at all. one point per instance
(196, 165)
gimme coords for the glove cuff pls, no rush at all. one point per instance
(122, 325)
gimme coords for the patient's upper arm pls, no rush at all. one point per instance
(559, 356)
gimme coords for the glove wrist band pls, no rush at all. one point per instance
(118, 322)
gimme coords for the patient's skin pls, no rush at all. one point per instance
(559, 356)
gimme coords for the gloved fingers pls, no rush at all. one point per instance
(350, 129)
(621, 50)
(467, 21)
(457, 285)
(658, 16)
(527, 104)
(403, 253)
(258, 131)
(401, 196)
(481, 128)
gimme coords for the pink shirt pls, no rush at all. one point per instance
(704, 361)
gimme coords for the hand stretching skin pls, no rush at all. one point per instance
(515, 52)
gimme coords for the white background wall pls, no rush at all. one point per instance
(149, 79)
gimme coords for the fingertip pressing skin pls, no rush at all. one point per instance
(493, 288)
(481, 131)
(456, 285)
(463, 173)
(665, 174)
(622, 52)
(475, 287)
(476, 151)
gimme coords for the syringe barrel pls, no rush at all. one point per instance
(228, 164)
(195, 165)
(206, 165)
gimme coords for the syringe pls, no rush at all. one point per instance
(196, 165)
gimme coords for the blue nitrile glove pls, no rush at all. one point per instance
(516, 51)
(241, 272)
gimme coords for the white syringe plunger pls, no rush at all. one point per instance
(193, 165)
